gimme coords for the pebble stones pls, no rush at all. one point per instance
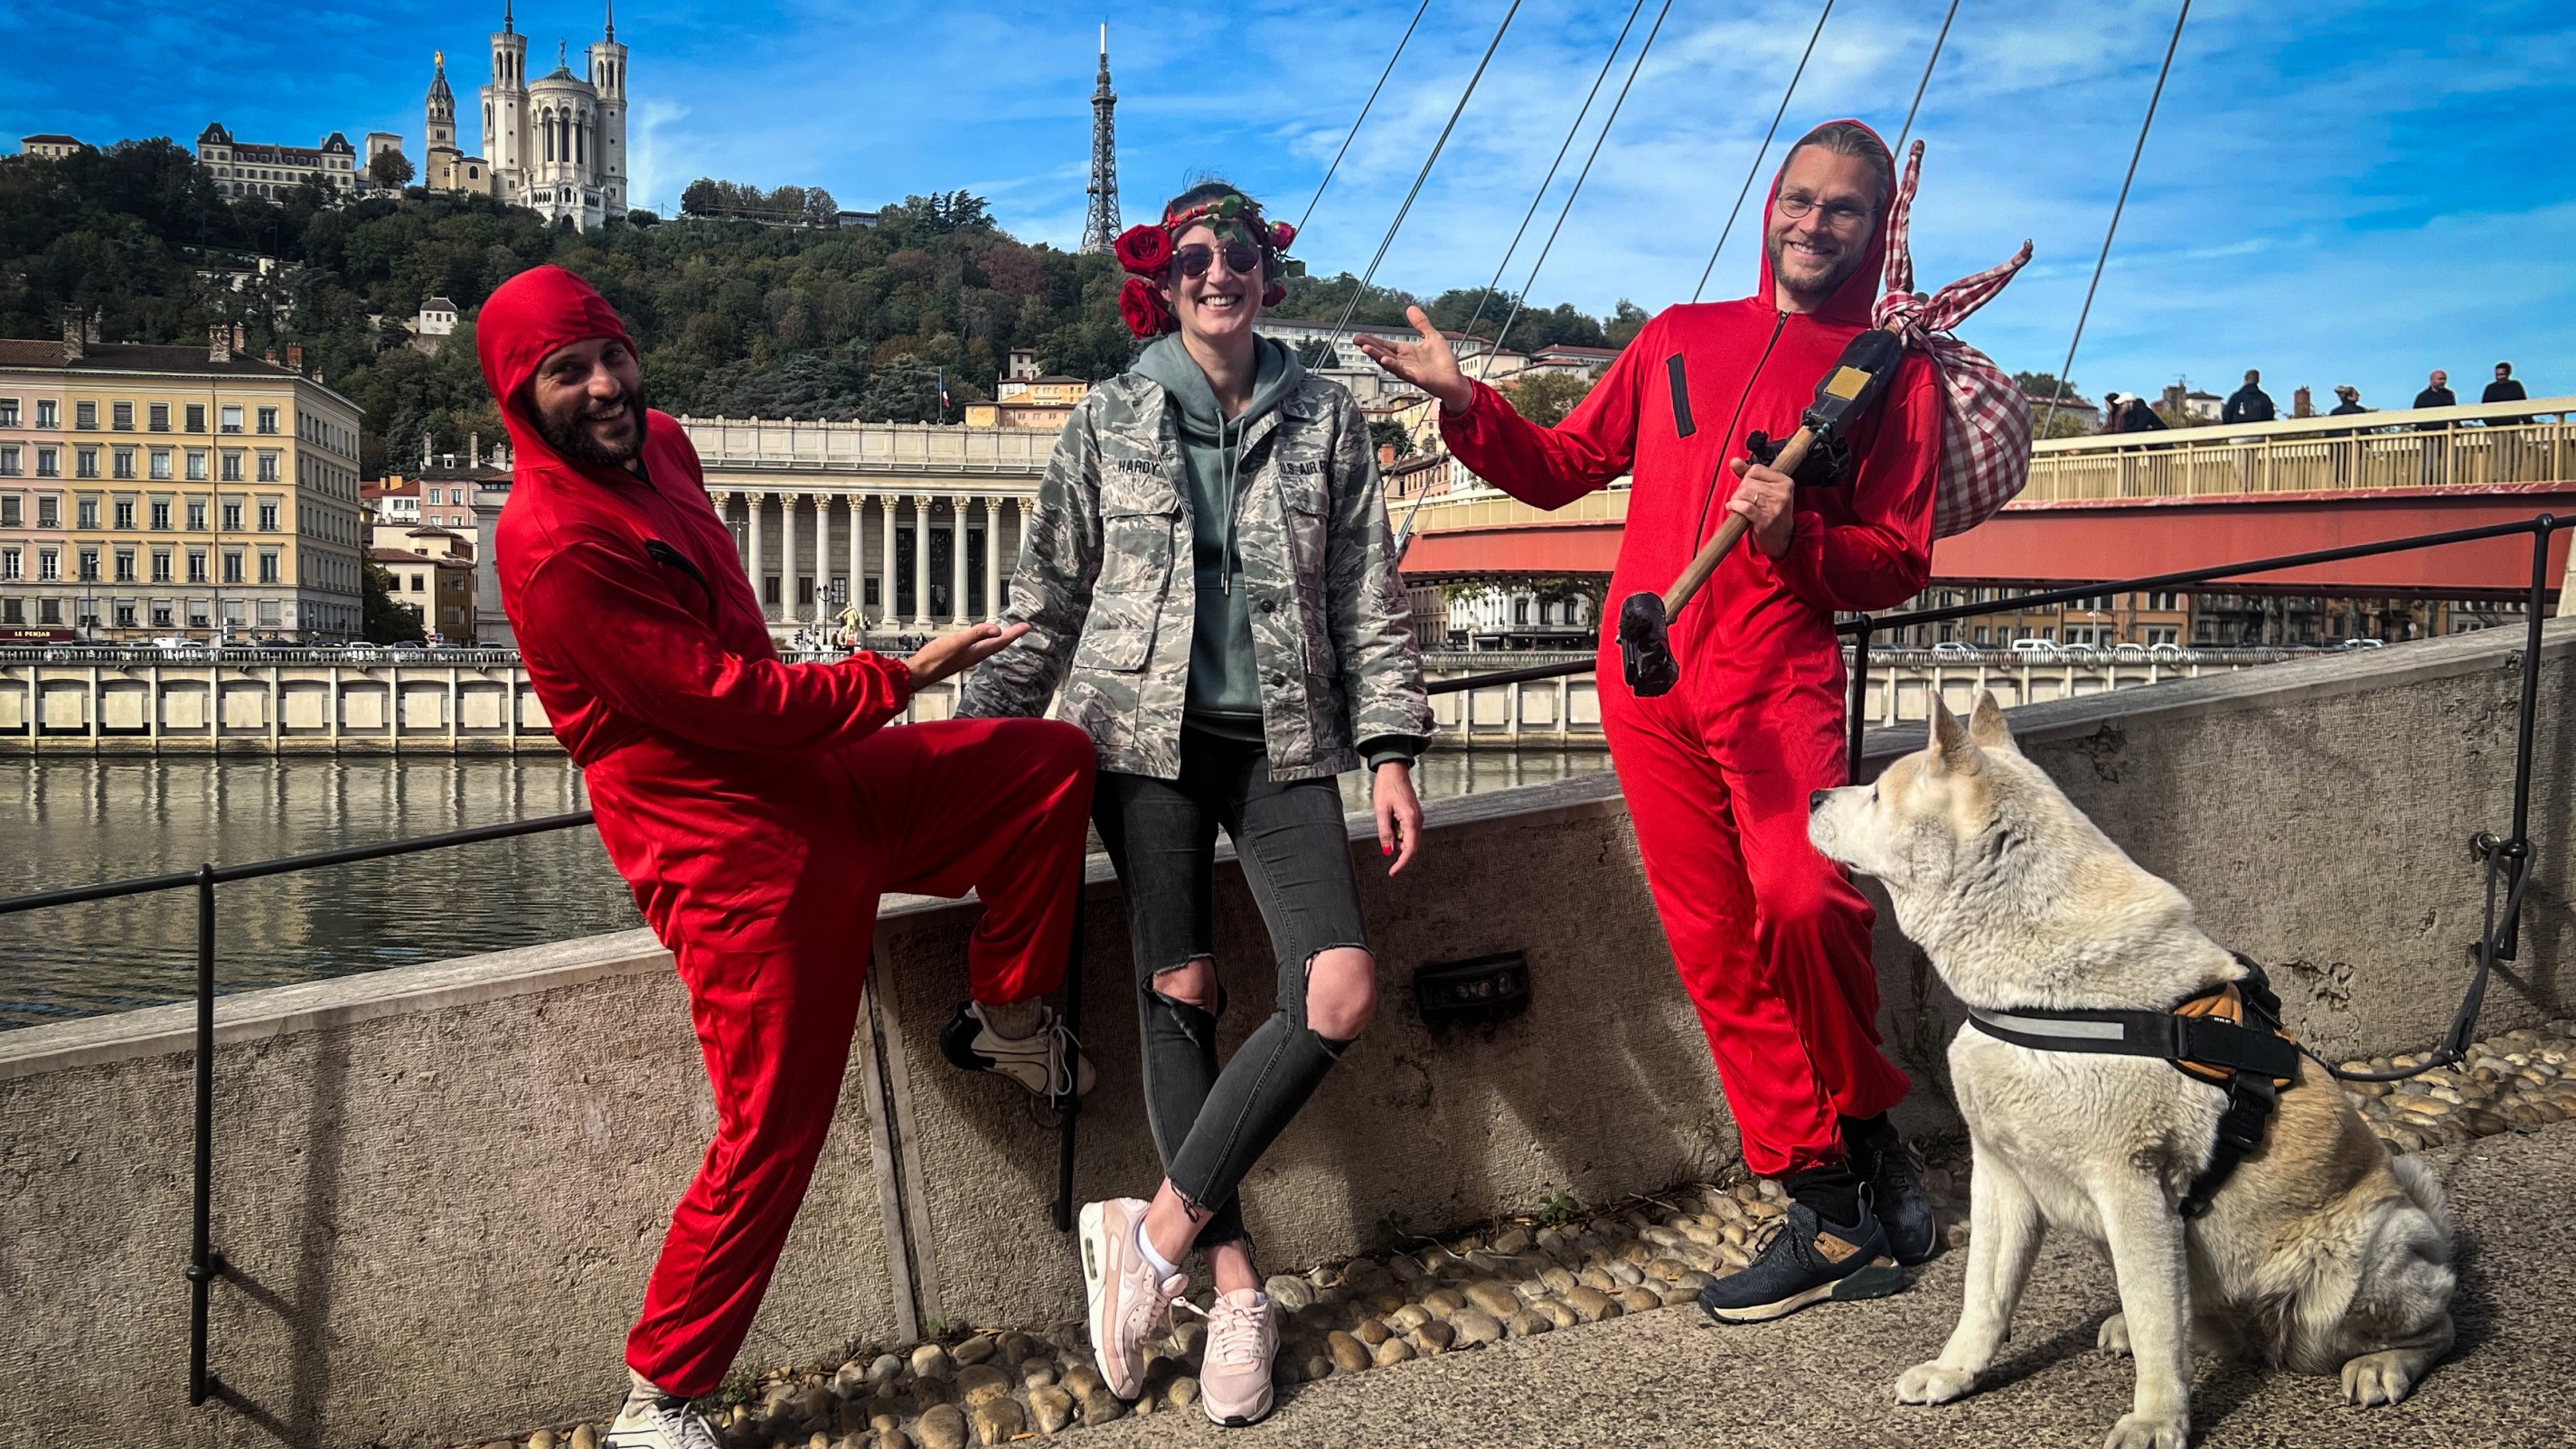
(1289, 1293)
(1348, 1353)
(1591, 1304)
(889, 1433)
(930, 1361)
(1050, 1408)
(981, 1383)
(1528, 1323)
(999, 1420)
(1393, 1351)
(1475, 1327)
(941, 1426)
(1494, 1298)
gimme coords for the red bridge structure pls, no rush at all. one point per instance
(2106, 508)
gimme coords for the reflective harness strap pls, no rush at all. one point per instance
(2252, 1061)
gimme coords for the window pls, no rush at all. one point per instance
(124, 614)
(415, 583)
(49, 565)
(196, 515)
(160, 515)
(196, 417)
(161, 463)
(11, 511)
(85, 416)
(232, 467)
(49, 463)
(268, 467)
(232, 417)
(121, 417)
(269, 612)
(160, 565)
(268, 420)
(124, 462)
(9, 456)
(232, 566)
(49, 413)
(85, 463)
(160, 614)
(89, 565)
(88, 513)
(196, 565)
(232, 518)
(196, 613)
(125, 565)
(197, 465)
(11, 612)
(268, 566)
(8, 563)
(8, 412)
(49, 513)
(160, 416)
(125, 513)
(1984, 636)
(267, 516)
(49, 611)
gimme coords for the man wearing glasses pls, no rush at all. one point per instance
(1770, 938)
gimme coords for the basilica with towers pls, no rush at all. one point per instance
(556, 144)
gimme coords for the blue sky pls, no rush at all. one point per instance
(2335, 191)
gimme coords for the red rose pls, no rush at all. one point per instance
(1281, 234)
(1145, 250)
(1273, 295)
(1142, 305)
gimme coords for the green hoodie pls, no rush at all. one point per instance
(1224, 688)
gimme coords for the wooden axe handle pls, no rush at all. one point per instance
(1713, 553)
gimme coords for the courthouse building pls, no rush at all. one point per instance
(152, 491)
(245, 168)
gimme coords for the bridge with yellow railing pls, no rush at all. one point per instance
(2139, 503)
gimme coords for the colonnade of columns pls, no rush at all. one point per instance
(873, 550)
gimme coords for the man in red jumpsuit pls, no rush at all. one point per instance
(757, 808)
(1769, 937)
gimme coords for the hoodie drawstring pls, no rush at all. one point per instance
(1226, 562)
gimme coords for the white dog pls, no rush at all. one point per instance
(2319, 1253)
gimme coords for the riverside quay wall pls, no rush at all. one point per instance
(471, 1163)
(478, 701)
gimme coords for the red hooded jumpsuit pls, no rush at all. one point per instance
(1769, 937)
(757, 808)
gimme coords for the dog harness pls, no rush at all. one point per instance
(2230, 1038)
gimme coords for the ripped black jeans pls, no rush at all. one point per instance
(1211, 1126)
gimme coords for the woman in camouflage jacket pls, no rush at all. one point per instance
(1209, 580)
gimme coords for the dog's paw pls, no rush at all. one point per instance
(1933, 1383)
(2375, 1379)
(2114, 1337)
(2149, 1431)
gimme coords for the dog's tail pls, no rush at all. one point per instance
(2426, 1189)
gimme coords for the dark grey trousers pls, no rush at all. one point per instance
(1212, 1125)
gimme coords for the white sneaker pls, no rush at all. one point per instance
(1044, 1061)
(652, 1425)
(1126, 1298)
(1234, 1372)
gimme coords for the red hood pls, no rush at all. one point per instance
(527, 320)
(1852, 300)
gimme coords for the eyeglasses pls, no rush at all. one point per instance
(1241, 258)
(1840, 215)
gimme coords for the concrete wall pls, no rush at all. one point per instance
(471, 1163)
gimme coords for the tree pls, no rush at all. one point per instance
(1546, 397)
(1388, 433)
(390, 169)
(1316, 352)
(385, 619)
(1626, 321)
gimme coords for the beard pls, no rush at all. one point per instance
(571, 437)
(1846, 262)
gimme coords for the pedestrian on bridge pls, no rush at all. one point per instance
(756, 808)
(2248, 404)
(1770, 938)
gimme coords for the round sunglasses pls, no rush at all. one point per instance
(1241, 258)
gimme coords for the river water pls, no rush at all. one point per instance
(76, 821)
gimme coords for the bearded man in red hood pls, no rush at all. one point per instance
(757, 808)
(1769, 937)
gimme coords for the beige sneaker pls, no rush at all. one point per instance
(1234, 1374)
(1125, 1299)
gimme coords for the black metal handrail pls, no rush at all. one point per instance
(2507, 859)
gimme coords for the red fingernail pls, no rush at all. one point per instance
(1386, 850)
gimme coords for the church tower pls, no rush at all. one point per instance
(441, 123)
(608, 79)
(505, 112)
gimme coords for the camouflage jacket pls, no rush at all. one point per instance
(1105, 584)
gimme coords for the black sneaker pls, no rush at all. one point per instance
(1895, 1194)
(1805, 1262)
(1048, 1061)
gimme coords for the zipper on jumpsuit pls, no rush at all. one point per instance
(1726, 440)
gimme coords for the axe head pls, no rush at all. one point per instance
(1646, 647)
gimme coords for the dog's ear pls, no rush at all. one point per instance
(1986, 726)
(1951, 747)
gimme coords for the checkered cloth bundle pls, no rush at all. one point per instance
(1985, 432)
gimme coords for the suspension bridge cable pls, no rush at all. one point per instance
(1354, 131)
(1756, 169)
(1552, 167)
(1923, 84)
(1425, 173)
(2113, 230)
(1579, 178)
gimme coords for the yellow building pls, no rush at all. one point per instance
(164, 491)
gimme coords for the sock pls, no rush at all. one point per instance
(1831, 1192)
(1015, 1021)
(1867, 1138)
(1163, 1267)
(640, 1394)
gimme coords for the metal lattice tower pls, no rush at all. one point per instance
(1100, 225)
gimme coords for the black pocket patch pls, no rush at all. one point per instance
(1682, 425)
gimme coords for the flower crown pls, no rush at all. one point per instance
(1146, 251)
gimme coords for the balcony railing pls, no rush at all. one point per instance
(2483, 445)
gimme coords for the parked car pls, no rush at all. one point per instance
(2365, 643)
(1952, 649)
(2129, 653)
(2168, 652)
(2029, 649)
